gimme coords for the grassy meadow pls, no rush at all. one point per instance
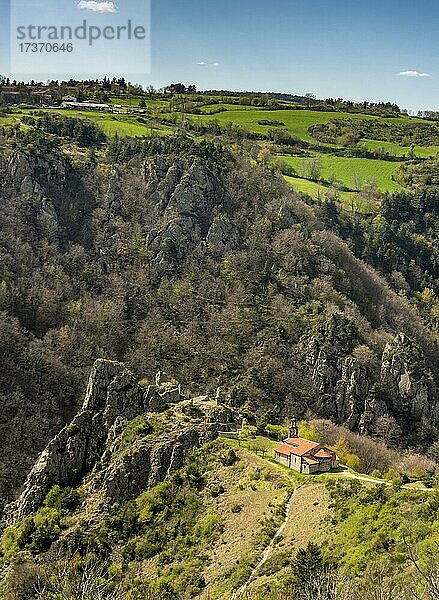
(121, 124)
(321, 192)
(396, 150)
(349, 171)
(296, 121)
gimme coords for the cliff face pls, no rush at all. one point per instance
(93, 448)
(409, 385)
(38, 181)
(190, 203)
(349, 394)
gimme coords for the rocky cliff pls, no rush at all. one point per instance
(217, 274)
(95, 448)
(191, 204)
(348, 392)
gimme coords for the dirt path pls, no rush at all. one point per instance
(268, 550)
(415, 485)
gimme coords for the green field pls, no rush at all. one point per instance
(349, 170)
(211, 108)
(296, 121)
(351, 200)
(396, 150)
(8, 120)
(312, 188)
(134, 102)
(112, 124)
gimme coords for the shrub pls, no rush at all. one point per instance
(229, 458)
(40, 531)
(271, 122)
(346, 457)
(308, 431)
(208, 529)
(217, 490)
(65, 501)
(276, 432)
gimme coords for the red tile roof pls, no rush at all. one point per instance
(285, 450)
(300, 446)
(303, 448)
(323, 453)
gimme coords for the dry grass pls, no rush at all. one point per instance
(306, 523)
(257, 487)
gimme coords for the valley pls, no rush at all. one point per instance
(181, 264)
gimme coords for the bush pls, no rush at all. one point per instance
(276, 432)
(208, 529)
(346, 457)
(65, 501)
(308, 431)
(271, 122)
(217, 490)
(229, 458)
(40, 531)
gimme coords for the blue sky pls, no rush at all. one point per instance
(93, 55)
(339, 48)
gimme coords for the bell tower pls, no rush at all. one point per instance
(293, 430)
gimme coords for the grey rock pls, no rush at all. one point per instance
(352, 390)
(92, 450)
(145, 465)
(409, 387)
(222, 234)
(189, 201)
(344, 392)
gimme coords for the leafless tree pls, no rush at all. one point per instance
(427, 587)
(63, 577)
(310, 98)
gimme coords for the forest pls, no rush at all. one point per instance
(188, 254)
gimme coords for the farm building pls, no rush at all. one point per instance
(87, 106)
(303, 455)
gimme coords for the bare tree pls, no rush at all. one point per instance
(310, 98)
(75, 577)
(427, 587)
(311, 168)
(357, 181)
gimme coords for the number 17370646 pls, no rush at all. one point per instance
(29, 47)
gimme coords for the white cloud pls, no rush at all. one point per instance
(203, 63)
(413, 74)
(105, 7)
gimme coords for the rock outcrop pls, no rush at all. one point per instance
(122, 476)
(189, 200)
(93, 450)
(352, 392)
(31, 177)
(407, 381)
(348, 394)
(222, 235)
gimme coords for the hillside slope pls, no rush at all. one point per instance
(173, 255)
(138, 498)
